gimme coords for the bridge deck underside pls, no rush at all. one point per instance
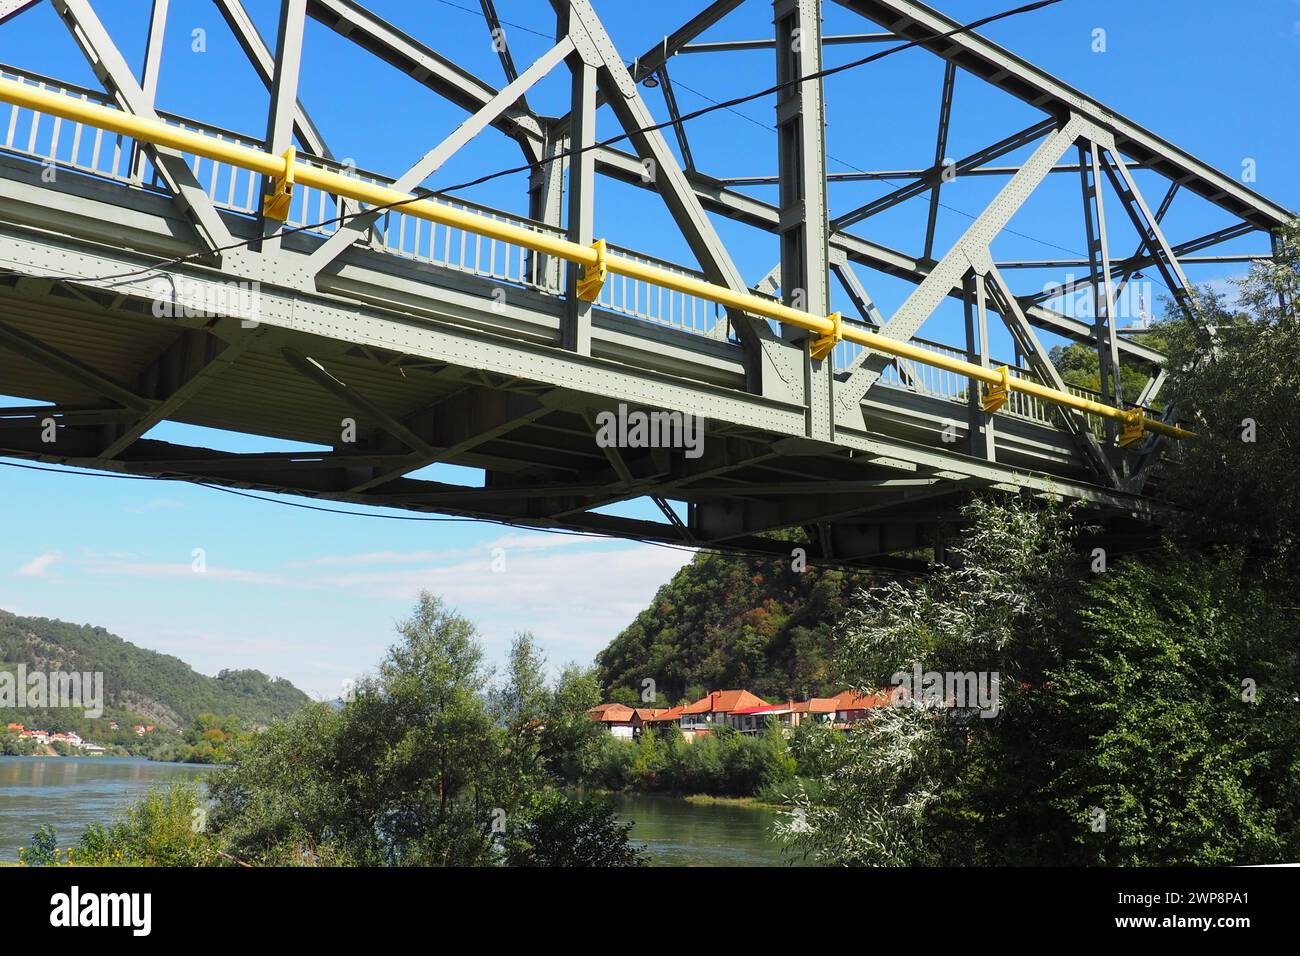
(388, 365)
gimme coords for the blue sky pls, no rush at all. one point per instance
(313, 597)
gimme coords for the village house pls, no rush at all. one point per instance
(40, 736)
(820, 710)
(851, 706)
(663, 718)
(713, 710)
(15, 728)
(753, 720)
(619, 719)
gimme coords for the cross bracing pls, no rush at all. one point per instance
(443, 344)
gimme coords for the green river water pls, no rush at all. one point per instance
(72, 792)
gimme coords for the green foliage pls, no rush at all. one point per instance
(724, 763)
(1079, 365)
(44, 850)
(164, 828)
(731, 622)
(421, 768)
(557, 830)
(140, 686)
(1229, 369)
(1183, 768)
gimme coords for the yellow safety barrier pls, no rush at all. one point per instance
(596, 262)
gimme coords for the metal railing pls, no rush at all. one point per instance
(517, 238)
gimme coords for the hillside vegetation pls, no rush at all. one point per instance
(727, 622)
(139, 684)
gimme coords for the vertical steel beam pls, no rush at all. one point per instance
(246, 34)
(575, 331)
(980, 428)
(284, 100)
(1099, 267)
(801, 164)
(546, 204)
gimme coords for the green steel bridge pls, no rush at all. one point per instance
(174, 271)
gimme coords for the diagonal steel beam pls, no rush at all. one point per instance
(948, 272)
(940, 150)
(1018, 325)
(460, 422)
(192, 360)
(259, 55)
(650, 61)
(111, 69)
(355, 228)
(1148, 227)
(912, 20)
(671, 182)
(931, 178)
(70, 367)
(153, 50)
(433, 70)
(312, 369)
(498, 34)
(11, 8)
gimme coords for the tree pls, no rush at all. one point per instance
(560, 831)
(1234, 375)
(428, 766)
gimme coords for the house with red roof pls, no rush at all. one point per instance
(619, 719)
(713, 710)
(850, 706)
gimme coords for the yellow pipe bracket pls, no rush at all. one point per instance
(278, 200)
(594, 275)
(995, 396)
(823, 346)
(1133, 428)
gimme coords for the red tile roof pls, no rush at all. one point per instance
(612, 713)
(724, 702)
(815, 705)
(851, 700)
(766, 709)
(664, 716)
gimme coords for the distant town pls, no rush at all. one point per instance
(70, 740)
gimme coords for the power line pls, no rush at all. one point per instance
(443, 519)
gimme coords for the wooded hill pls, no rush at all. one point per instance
(138, 683)
(732, 622)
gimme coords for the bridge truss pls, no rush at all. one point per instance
(145, 284)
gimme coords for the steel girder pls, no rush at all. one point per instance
(856, 479)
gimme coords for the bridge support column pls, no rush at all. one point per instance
(576, 328)
(802, 228)
(980, 426)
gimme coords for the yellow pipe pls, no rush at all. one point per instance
(278, 167)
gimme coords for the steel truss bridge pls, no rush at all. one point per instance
(358, 304)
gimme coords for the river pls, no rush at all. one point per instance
(72, 792)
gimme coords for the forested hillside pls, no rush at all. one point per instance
(139, 683)
(725, 622)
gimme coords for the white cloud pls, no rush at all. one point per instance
(39, 565)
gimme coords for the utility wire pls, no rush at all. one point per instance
(443, 519)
